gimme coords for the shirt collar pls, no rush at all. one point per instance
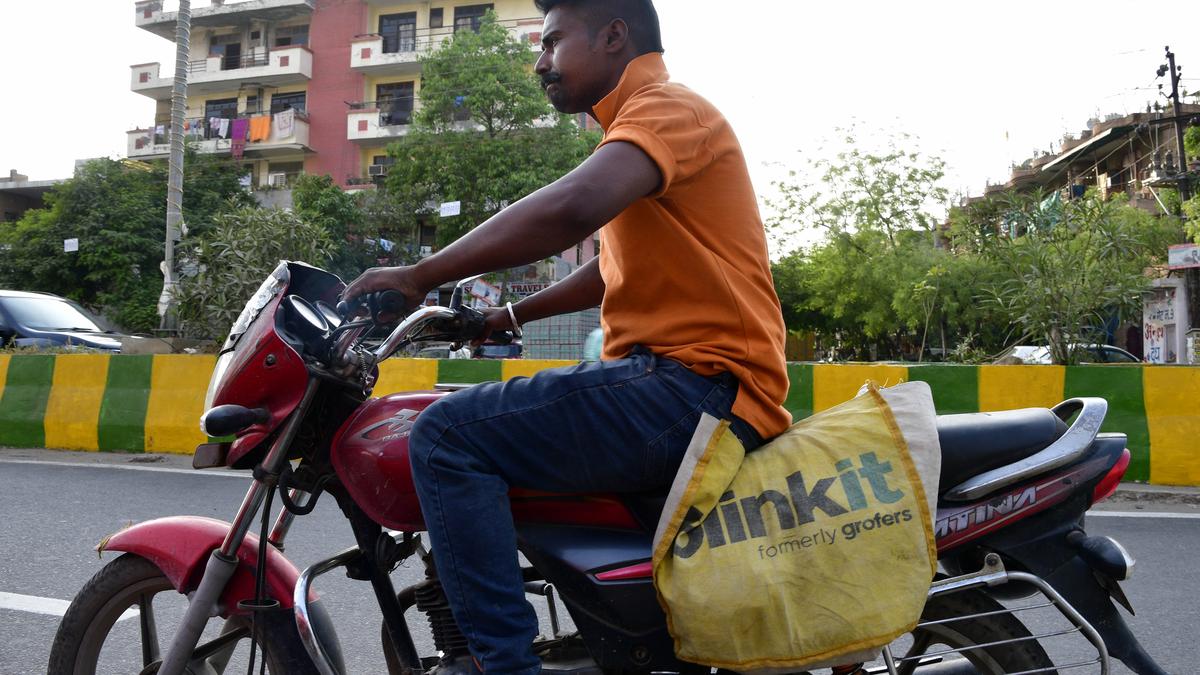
(644, 70)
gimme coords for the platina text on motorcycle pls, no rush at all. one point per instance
(292, 387)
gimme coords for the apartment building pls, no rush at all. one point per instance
(304, 86)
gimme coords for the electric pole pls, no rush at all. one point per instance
(183, 35)
(1177, 109)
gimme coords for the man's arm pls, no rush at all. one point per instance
(543, 224)
(582, 289)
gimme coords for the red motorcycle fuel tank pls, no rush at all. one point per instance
(370, 456)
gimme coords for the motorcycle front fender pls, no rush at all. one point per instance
(181, 545)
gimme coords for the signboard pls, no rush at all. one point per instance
(71, 245)
(1158, 326)
(486, 292)
(1183, 256)
(450, 209)
(526, 290)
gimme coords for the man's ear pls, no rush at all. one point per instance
(616, 36)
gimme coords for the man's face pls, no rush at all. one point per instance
(572, 65)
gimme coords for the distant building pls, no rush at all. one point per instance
(321, 85)
(1131, 154)
(18, 194)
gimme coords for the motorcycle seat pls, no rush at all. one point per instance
(973, 443)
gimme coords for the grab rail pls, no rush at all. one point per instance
(1069, 447)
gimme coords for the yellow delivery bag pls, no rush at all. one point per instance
(817, 549)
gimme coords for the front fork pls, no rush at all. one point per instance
(203, 604)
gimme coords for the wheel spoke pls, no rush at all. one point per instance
(150, 647)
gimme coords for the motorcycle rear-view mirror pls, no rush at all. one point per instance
(460, 288)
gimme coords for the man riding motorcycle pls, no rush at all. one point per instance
(691, 321)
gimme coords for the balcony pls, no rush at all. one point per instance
(401, 54)
(368, 124)
(275, 68)
(148, 144)
(149, 15)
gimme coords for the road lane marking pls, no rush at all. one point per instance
(1144, 514)
(48, 606)
(156, 469)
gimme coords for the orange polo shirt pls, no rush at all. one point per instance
(685, 270)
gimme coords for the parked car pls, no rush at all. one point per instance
(1094, 353)
(45, 320)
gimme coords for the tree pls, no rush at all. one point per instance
(484, 136)
(345, 217)
(866, 285)
(117, 212)
(1065, 268)
(223, 268)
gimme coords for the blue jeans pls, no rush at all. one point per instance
(613, 426)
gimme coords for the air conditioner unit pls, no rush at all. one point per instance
(377, 170)
(277, 180)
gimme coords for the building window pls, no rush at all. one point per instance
(469, 17)
(225, 108)
(229, 48)
(395, 102)
(291, 36)
(435, 18)
(281, 174)
(252, 106)
(294, 101)
(399, 32)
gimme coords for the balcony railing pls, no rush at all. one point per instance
(215, 138)
(401, 51)
(277, 67)
(379, 120)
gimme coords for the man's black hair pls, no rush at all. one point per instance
(639, 15)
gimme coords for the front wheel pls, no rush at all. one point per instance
(124, 617)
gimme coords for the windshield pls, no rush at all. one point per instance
(49, 314)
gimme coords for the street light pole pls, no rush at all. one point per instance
(183, 34)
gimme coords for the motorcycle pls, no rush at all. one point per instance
(292, 388)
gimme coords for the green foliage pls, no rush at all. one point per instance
(877, 284)
(318, 200)
(485, 135)
(118, 212)
(224, 268)
(1191, 142)
(888, 192)
(1071, 266)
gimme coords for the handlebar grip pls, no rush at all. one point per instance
(380, 302)
(391, 302)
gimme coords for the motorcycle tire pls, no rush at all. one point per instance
(131, 582)
(997, 659)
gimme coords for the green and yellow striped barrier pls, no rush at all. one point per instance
(152, 403)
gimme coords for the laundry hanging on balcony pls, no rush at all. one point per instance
(260, 128)
(218, 127)
(238, 130)
(194, 128)
(285, 123)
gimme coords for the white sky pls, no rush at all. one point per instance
(958, 75)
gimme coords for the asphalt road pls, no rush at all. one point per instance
(56, 506)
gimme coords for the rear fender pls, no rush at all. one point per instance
(180, 546)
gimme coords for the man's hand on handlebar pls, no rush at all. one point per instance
(496, 322)
(400, 279)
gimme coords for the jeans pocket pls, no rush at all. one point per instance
(666, 451)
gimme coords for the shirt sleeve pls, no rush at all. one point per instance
(669, 131)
